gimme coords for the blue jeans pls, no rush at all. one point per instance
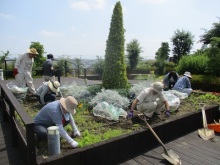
(41, 132)
(48, 98)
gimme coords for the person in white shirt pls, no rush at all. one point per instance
(23, 70)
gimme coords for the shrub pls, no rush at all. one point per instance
(196, 64)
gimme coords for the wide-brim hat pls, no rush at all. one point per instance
(157, 87)
(32, 51)
(54, 86)
(188, 74)
(69, 104)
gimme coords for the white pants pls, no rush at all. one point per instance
(23, 79)
(149, 108)
(188, 91)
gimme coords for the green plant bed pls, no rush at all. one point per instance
(95, 129)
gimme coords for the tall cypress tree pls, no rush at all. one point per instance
(114, 74)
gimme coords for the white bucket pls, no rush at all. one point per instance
(53, 138)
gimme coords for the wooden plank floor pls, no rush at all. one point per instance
(191, 149)
(9, 155)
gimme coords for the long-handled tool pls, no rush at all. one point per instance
(205, 133)
(168, 154)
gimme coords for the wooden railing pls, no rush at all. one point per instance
(22, 125)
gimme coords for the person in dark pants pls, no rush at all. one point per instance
(48, 71)
(170, 80)
(57, 113)
(47, 92)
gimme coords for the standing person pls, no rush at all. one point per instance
(23, 70)
(57, 113)
(47, 92)
(150, 100)
(183, 84)
(170, 80)
(48, 71)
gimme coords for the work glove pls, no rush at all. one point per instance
(74, 144)
(15, 71)
(167, 112)
(76, 133)
(130, 115)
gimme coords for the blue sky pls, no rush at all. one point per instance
(80, 28)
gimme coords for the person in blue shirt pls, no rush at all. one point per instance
(183, 84)
(57, 113)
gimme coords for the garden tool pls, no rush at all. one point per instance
(204, 132)
(168, 154)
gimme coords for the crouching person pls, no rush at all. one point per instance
(47, 92)
(57, 113)
(149, 101)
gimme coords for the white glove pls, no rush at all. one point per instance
(77, 133)
(74, 144)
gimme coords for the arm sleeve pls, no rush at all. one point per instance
(73, 124)
(60, 93)
(43, 93)
(18, 61)
(64, 134)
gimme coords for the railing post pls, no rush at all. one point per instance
(13, 128)
(30, 138)
(65, 68)
(6, 70)
(3, 106)
(84, 73)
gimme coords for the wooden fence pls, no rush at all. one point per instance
(22, 125)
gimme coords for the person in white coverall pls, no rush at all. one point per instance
(149, 101)
(23, 70)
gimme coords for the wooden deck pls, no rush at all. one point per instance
(8, 153)
(191, 149)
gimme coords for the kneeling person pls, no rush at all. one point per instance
(150, 100)
(47, 92)
(57, 113)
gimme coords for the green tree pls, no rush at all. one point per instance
(39, 59)
(163, 52)
(182, 44)
(3, 57)
(133, 53)
(78, 65)
(59, 66)
(213, 52)
(209, 34)
(99, 65)
(114, 75)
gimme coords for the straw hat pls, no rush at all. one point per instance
(54, 86)
(32, 51)
(69, 103)
(157, 86)
(188, 74)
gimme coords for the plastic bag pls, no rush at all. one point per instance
(19, 93)
(109, 112)
(173, 101)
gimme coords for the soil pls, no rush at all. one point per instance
(188, 105)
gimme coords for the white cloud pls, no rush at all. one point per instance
(6, 16)
(52, 34)
(88, 4)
